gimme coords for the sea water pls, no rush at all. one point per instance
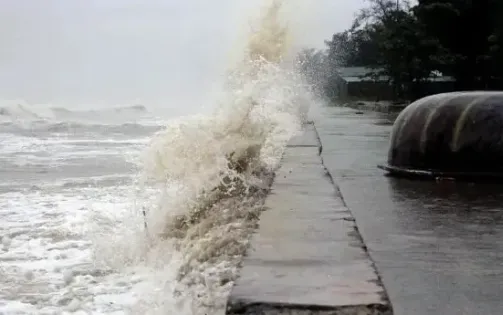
(119, 211)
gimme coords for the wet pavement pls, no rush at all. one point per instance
(306, 256)
(438, 246)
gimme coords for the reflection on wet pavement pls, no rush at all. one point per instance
(437, 245)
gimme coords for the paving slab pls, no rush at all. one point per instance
(307, 256)
(307, 138)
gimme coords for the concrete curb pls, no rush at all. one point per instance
(380, 107)
(307, 257)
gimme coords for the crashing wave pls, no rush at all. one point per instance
(213, 173)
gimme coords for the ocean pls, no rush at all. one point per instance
(117, 210)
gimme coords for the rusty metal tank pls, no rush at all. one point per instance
(458, 134)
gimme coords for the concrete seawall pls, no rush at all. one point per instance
(307, 257)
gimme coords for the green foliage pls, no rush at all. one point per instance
(470, 33)
(459, 38)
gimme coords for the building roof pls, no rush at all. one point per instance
(354, 71)
(357, 74)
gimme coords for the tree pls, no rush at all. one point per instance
(470, 32)
(496, 46)
(407, 44)
(352, 48)
(401, 48)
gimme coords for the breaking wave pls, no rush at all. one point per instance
(16, 112)
(43, 129)
(41, 121)
(204, 180)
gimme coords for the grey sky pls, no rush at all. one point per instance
(158, 52)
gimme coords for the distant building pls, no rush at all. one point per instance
(360, 82)
(365, 83)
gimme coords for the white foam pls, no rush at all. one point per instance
(210, 171)
(44, 236)
(23, 113)
(25, 151)
(203, 181)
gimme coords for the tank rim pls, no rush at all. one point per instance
(433, 174)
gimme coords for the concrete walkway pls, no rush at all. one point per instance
(438, 245)
(307, 256)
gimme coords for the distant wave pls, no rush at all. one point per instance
(42, 121)
(73, 183)
(47, 128)
(126, 112)
(17, 112)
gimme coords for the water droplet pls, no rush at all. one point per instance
(68, 276)
(28, 275)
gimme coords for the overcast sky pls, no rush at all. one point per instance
(122, 51)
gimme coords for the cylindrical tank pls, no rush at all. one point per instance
(454, 134)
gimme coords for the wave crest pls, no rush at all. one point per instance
(16, 112)
(213, 173)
